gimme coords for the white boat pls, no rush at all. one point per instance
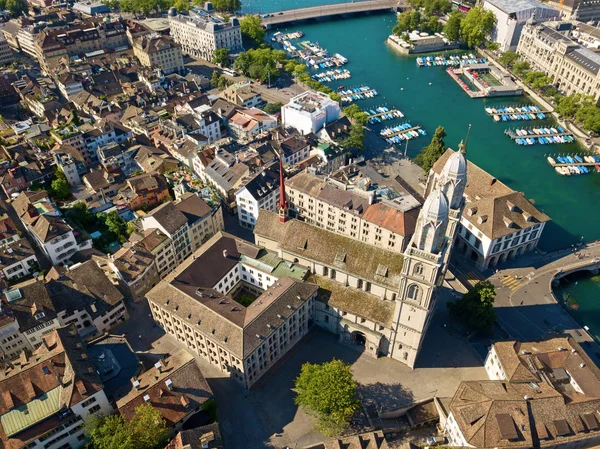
(551, 160)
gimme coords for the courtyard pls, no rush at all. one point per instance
(266, 416)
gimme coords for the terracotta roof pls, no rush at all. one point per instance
(176, 390)
(59, 367)
(387, 217)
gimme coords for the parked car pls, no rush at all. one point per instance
(435, 441)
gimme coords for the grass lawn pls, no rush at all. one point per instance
(244, 299)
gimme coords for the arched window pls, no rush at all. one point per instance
(414, 292)
(418, 270)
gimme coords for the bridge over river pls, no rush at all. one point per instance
(323, 11)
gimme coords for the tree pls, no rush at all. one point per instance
(273, 108)
(355, 139)
(537, 80)
(328, 392)
(214, 80)
(221, 57)
(492, 46)
(431, 25)
(260, 63)
(508, 58)
(181, 5)
(589, 116)
(436, 7)
(146, 430)
(227, 5)
(452, 28)
(521, 67)
(569, 105)
(116, 225)
(477, 26)
(407, 21)
(356, 114)
(109, 432)
(476, 307)
(432, 152)
(252, 29)
(17, 7)
(60, 186)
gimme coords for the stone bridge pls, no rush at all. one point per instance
(340, 9)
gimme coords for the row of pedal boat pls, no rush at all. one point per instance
(332, 75)
(544, 140)
(404, 132)
(539, 131)
(516, 117)
(513, 110)
(430, 61)
(385, 114)
(357, 93)
(574, 169)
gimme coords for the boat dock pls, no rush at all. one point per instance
(540, 135)
(516, 113)
(400, 132)
(382, 114)
(441, 60)
(575, 164)
(358, 93)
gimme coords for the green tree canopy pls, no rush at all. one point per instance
(273, 108)
(258, 63)
(430, 7)
(221, 57)
(407, 21)
(521, 67)
(117, 226)
(476, 307)
(227, 5)
(589, 116)
(432, 152)
(356, 114)
(146, 430)
(60, 187)
(477, 26)
(181, 5)
(328, 392)
(537, 80)
(452, 28)
(509, 58)
(252, 29)
(569, 106)
(17, 7)
(431, 25)
(492, 46)
(356, 137)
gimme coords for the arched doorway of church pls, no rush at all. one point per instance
(358, 338)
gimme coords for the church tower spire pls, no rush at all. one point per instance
(283, 206)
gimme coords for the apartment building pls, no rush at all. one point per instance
(6, 54)
(50, 395)
(188, 222)
(246, 124)
(134, 268)
(539, 394)
(43, 221)
(261, 192)
(310, 111)
(497, 223)
(201, 33)
(160, 246)
(243, 94)
(145, 191)
(572, 67)
(159, 52)
(354, 209)
(17, 260)
(175, 387)
(243, 314)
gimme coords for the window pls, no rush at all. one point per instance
(418, 270)
(414, 292)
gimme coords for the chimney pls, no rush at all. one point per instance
(158, 366)
(147, 399)
(225, 253)
(135, 383)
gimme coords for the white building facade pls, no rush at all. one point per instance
(310, 111)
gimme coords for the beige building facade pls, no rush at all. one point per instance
(159, 52)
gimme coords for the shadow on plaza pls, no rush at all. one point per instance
(385, 396)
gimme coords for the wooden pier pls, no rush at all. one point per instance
(379, 114)
(510, 133)
(576, 164)
(404, 131)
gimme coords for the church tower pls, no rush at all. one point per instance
(283, 207)
(426, 260)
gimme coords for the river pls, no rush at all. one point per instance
(428, 97)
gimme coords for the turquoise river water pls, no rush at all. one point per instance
(429, 97)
